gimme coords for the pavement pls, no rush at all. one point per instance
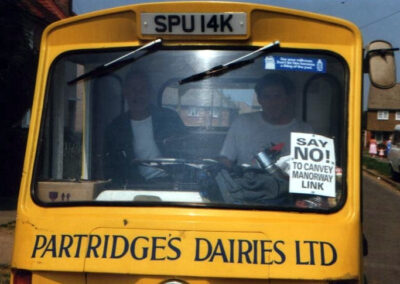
(7, 217)
(380, 176)
(7, 221)
(383, 178)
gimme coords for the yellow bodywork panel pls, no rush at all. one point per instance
(57, 277)
(96, 244)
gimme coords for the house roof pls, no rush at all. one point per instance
(384, 99)
(48, 10)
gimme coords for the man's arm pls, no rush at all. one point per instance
(229, 152)
(225, 161)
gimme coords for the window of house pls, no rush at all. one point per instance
(193, 111)
(215, 113)
(383, 115)
(397, 116)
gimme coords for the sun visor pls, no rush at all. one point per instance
(382, 65)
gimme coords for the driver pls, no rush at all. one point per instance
(139, 133)
(252, 133)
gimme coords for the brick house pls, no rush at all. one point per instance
(21, 25)
(383, 112)
(203, 108)
(40, 13)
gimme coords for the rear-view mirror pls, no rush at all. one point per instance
(381, 64)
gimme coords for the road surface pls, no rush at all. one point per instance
(382, 230)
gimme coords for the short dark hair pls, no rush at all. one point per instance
(135, 73)
(273, 79)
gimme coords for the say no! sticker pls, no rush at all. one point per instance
(312, 167)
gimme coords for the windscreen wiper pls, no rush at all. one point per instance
(236, 63)
(114, 62)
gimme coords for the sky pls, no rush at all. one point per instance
(377, 19)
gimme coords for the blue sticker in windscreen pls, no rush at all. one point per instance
(295, 64)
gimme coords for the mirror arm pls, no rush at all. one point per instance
(381, 51)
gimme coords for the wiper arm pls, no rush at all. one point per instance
(114, 62)
(238, 62)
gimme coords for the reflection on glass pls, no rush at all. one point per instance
(135, 135)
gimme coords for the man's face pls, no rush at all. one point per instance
(275, 103)
(137, 94)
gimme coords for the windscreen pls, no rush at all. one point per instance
(267, 133)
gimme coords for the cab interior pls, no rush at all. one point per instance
(72, 138)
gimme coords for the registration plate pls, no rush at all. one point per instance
(194, 23)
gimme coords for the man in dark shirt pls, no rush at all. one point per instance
(140, 133)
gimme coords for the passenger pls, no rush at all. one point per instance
(388, 146)
(373, 147)
(139, 133)
(252, 133)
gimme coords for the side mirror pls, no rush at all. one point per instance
(381, 64)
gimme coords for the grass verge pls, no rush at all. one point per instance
(381, 166)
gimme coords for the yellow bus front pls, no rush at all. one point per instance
(199, 142)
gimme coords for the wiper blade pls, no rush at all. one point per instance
(236, 63)
(114, 62)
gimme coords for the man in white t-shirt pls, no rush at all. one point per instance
(254, 132)
(139, 134)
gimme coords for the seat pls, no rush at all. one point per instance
(322, 108)
(108, 103)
